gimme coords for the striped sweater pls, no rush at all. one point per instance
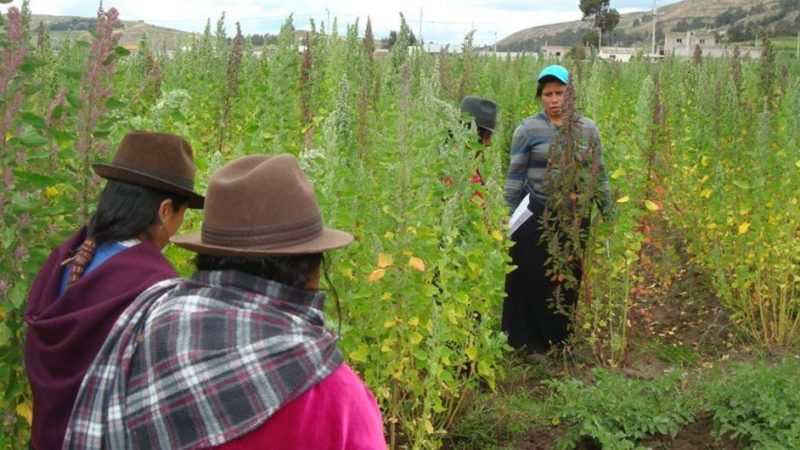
(527, 170)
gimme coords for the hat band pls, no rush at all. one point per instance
(264, 237)
(181, 182)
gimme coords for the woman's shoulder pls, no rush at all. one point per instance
(533, 123)
(587, 122)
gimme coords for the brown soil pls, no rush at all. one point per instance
(694, 436)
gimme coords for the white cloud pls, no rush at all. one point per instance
(444, 22)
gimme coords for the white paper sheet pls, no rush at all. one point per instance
(521, 214)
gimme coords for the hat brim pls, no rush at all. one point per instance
(485, 126)
(108, 171)
(329, 239)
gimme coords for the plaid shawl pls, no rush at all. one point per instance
(200, 362)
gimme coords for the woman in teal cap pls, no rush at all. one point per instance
(532, 323)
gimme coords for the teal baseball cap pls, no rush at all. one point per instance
(558, 72)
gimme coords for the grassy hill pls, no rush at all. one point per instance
(60, 27)
(732, 20)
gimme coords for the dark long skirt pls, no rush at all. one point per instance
(530, 316)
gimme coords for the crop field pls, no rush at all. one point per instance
(687, 330)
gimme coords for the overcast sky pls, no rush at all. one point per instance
(442, 21)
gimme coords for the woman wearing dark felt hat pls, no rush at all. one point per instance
(237, 356)
(94, 275)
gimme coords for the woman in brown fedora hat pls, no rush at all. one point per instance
(237, 356)
(92, 277)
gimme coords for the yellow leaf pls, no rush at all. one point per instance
(624, 199)
(555, 421)
(385, 260)
(651, 206)
(428, 426)
(496, 235)
(744, 227)
(797, 164)
(415, 338)
(360, 354)
(414, 321)
(24, 410)
(446, 360)
(376, 275)
(416, 263)
(389, 235)
(389, 323)
(472, 352)
(706, 193)
(704, 160)
(51, 192)
(347, 272)
(618, 173)
(386, 296)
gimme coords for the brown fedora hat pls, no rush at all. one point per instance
(262, 205)
(157, 160)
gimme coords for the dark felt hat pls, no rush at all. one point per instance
(262, 205)
(484, 111)
(157, 160)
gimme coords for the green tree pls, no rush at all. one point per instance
(603, 16)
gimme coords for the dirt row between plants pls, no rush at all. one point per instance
(680, 323)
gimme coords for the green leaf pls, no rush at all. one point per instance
(30, 64)
(34, 179)
(8, 238)
(32, 140)
(33, 88)
(58, 111)
(33, 120)
(74, 100)
(113, 103)
(72, 72)
(5, 333)
(177, 115)
(122, 51)
(17, 294)
(741, 184)
(111, 58)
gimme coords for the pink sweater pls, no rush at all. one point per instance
(338, 413)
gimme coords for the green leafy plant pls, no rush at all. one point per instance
(616, 411)
(757, 404)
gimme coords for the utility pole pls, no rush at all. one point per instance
(419, 36)
(495, 43)
(653, 52)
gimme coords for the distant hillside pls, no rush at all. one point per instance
(61, 26)
(732, 20)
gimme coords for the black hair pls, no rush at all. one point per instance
(546, 79)
(483, 132)
(295, 271)
(126, 211)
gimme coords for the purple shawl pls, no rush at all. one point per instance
(65, 332)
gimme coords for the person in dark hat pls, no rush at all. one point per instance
(91, 278)
(237, 356)
(484, 113)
